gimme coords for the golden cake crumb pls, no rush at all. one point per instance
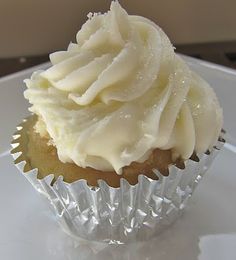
(43, 156)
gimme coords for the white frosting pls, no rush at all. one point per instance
(120, 92)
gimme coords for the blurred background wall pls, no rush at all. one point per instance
(29, 27)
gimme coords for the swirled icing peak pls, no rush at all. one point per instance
(119, 92)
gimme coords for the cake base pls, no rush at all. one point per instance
(43, 156)
(124, 214)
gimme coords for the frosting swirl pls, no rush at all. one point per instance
(119, 92)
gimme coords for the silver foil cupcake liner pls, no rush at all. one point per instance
(116, 215)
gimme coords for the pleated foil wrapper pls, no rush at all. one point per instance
(116, 215)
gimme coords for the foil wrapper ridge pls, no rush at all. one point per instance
(116, 215)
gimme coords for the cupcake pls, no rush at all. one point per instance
(121, 130)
